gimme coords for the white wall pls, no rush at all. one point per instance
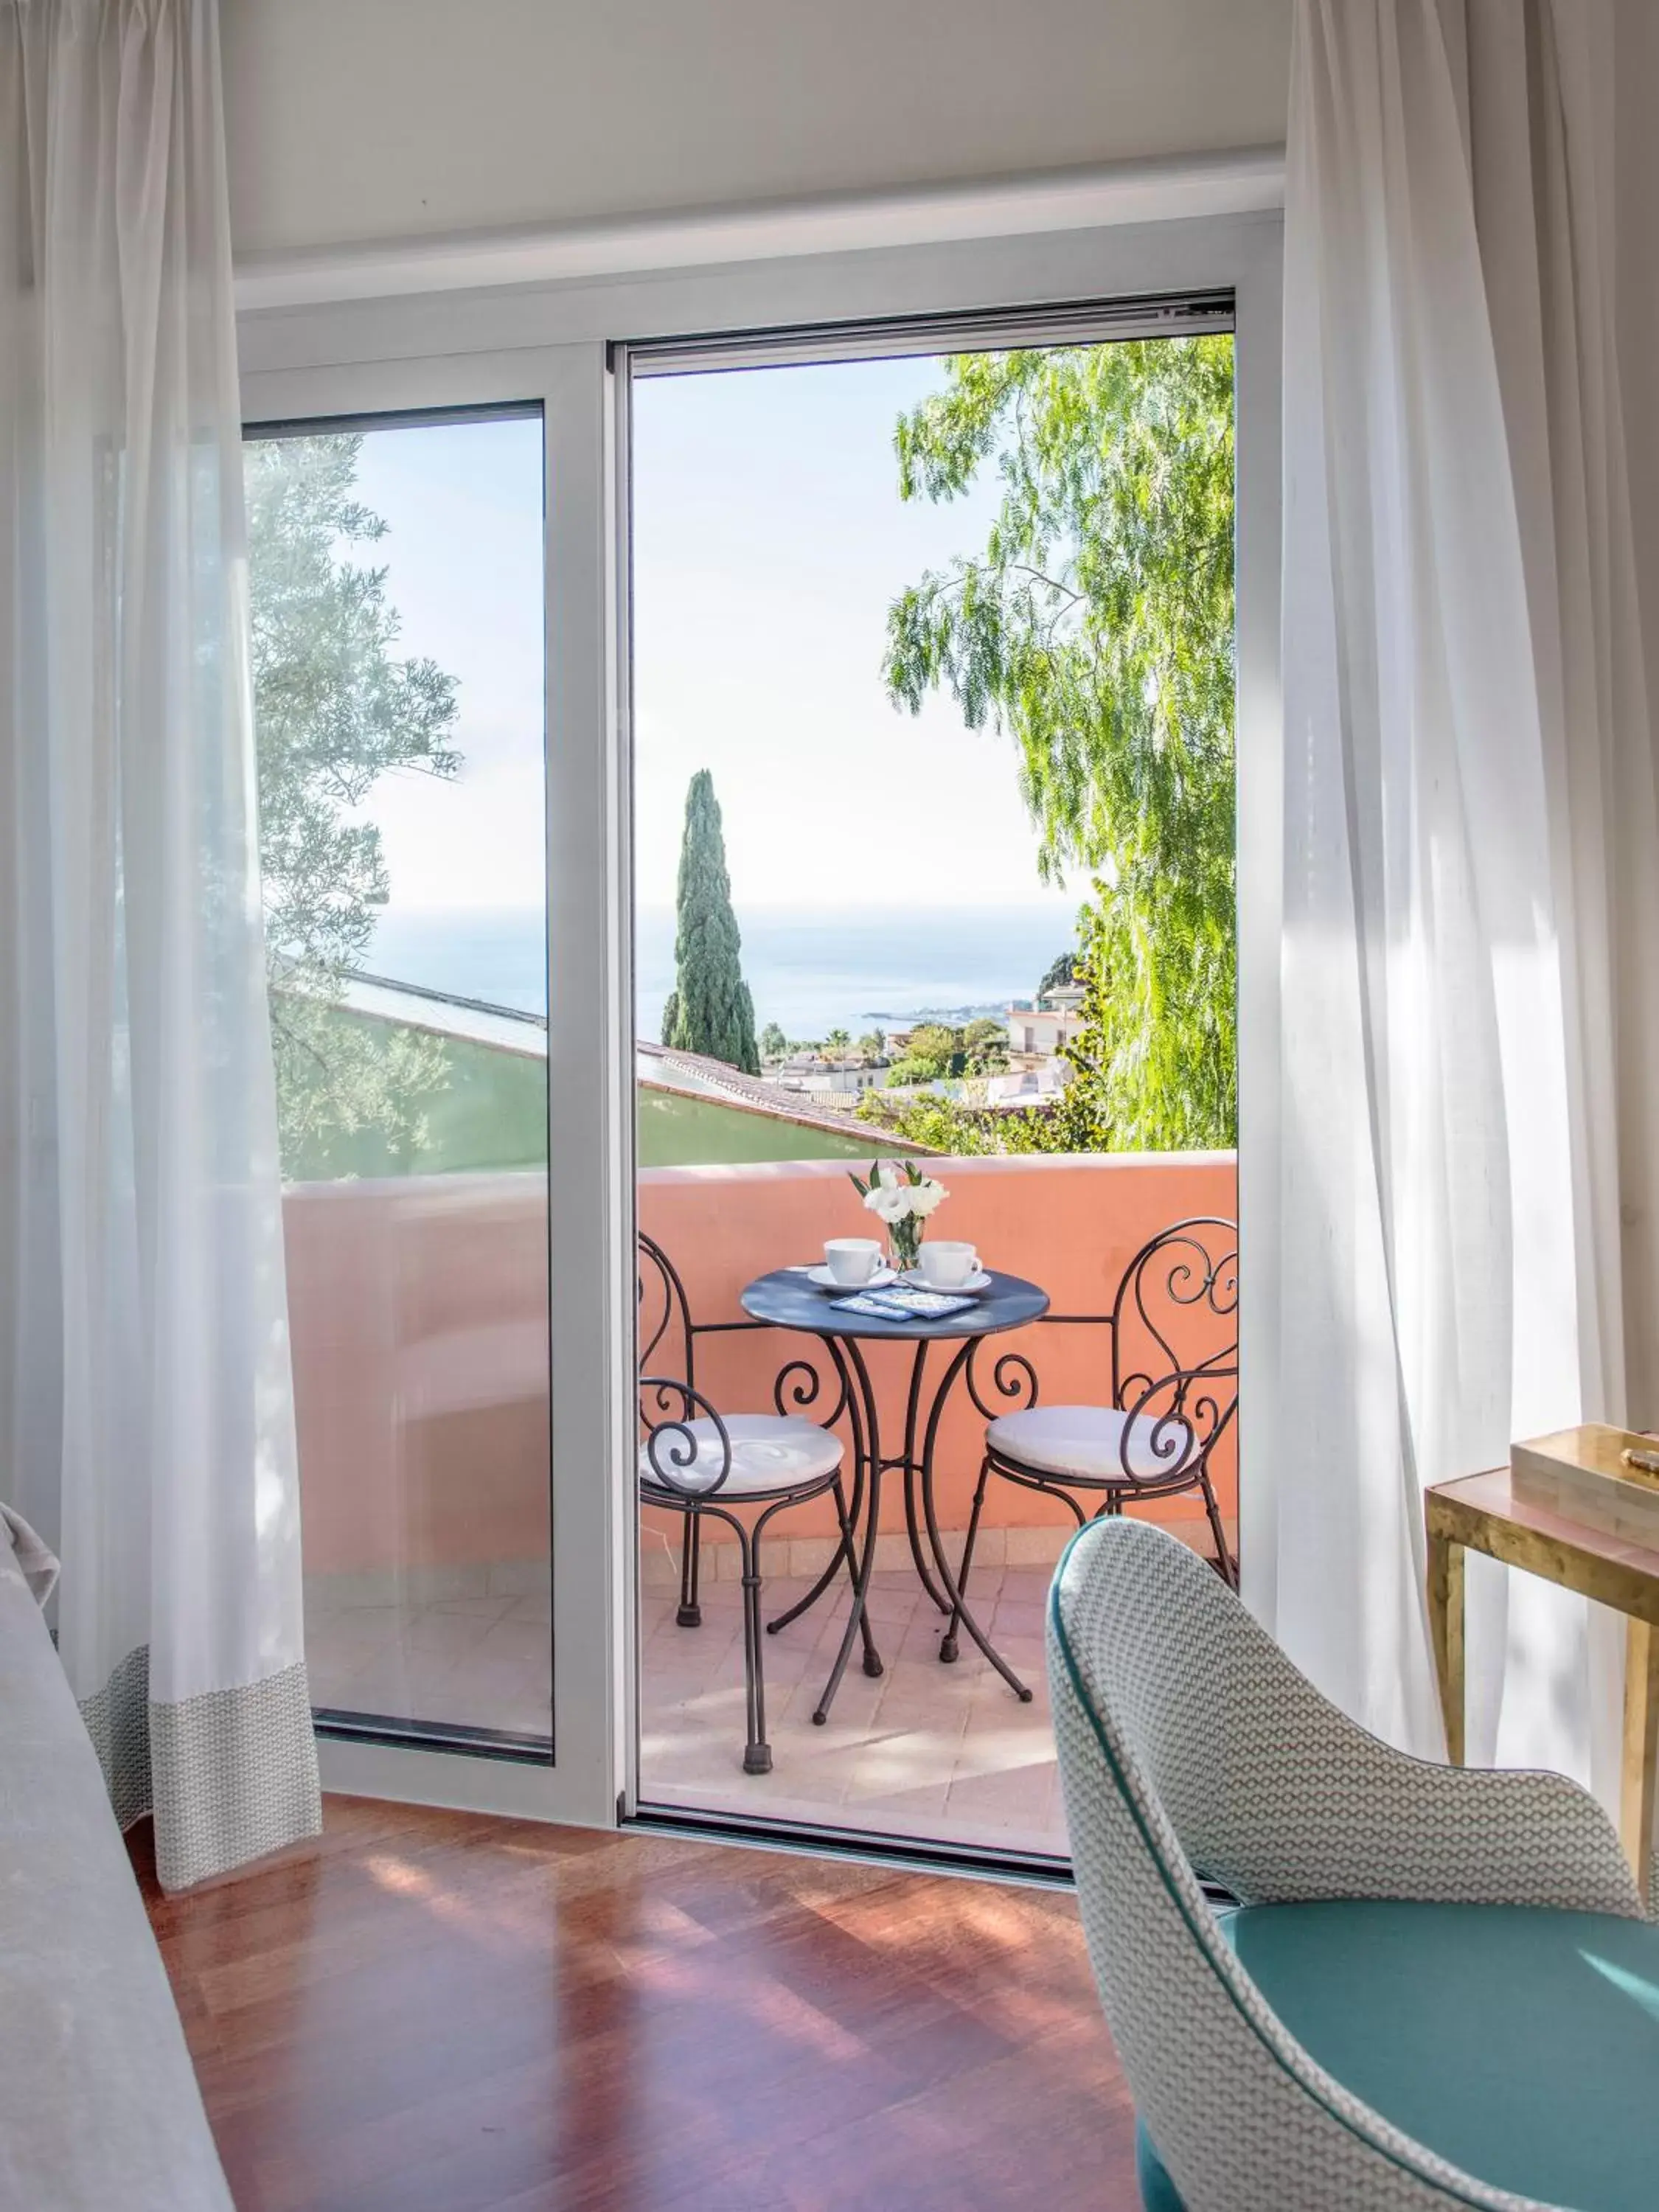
(362, 119)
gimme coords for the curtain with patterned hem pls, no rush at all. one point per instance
(146, 1405)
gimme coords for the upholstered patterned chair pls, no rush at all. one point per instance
(1436, 1987)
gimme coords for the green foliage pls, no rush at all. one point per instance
(938, 1124)
(984, 1045)
(965, 1127)
(872, 1044)
(904, 1171)
(335, 710)
(837, 1043)
(1096, 629)
(1058, 973)
(1184, 1069)
(710, 1011)
(935, 1050)
(773, 1045)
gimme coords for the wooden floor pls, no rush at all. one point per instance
(435, 2012)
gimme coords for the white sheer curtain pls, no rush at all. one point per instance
(146, 1419)
(1471, 850)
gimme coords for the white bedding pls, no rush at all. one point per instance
(98, 2105)
(37, 1564)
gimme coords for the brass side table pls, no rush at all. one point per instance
(1480, 1513)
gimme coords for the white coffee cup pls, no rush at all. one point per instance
(851, 1259)
(945, 1266)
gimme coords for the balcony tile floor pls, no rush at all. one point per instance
(474, 1659)
(922, 1750)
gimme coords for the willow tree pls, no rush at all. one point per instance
(709, 1009)
(1095, 629)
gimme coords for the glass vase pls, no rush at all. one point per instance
(905, 1239)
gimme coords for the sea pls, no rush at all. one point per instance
(811, 971)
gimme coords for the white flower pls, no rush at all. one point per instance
(889, 1175)
(925, 1196)
(890, 1205)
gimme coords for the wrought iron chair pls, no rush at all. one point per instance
(1173, 1393)
(701, 1462)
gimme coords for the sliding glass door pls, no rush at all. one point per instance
(613, 885)
(396, 578)
(933, 756)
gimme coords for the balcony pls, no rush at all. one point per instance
(419, 1331)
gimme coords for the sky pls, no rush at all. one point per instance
(463, 551)
(769, 539)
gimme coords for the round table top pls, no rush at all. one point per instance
(788, 1299)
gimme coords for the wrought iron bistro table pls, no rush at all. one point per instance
(787, 1300)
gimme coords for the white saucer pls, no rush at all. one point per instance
(826, 1281)
(971, 1289)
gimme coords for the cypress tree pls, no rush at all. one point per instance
(710, 1010)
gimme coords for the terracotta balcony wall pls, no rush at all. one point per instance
(1072, 1223)
(417, 1315)
(419, 1326)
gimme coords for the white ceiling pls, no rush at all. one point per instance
(358, 120)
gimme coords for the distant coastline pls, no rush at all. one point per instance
(809, 970)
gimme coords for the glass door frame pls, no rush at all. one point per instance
(565, 344)
(589, 1041)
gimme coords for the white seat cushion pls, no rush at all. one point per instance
(769, 1451)
(1089, 1443)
